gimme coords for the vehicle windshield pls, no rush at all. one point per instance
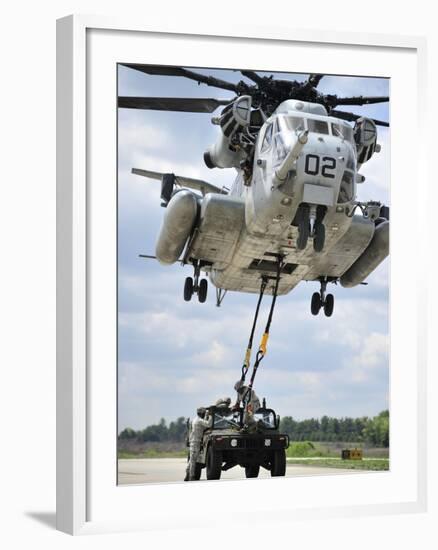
(226, 419)
(266, 418)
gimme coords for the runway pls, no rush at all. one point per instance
(161, 470)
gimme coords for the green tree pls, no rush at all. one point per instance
(128, 433)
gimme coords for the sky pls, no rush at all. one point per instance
(174, 356)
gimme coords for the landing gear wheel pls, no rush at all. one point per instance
(278, 464)
(303, 233)
(202, 291)
(252, 471)
(315, 304)
(329, 305)
(214, 464)
(319, 237)
(188, 289)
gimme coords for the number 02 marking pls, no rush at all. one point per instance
(313, 165)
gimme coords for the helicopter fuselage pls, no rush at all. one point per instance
(238, 237)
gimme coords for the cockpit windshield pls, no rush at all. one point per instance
(317, 126)
(294, 122)
(343, 131)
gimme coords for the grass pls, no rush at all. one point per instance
(375, 464)
(304, 449)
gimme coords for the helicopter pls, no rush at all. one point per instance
(292, 212)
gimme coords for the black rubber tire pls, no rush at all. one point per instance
(188, 289)
(315, 304)
(329, 304)
(252, 471)
(303, 233)
(202, 291)
(278, 464)
(214, 464)
(319, 238)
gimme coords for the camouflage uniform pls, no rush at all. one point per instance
(198, 427)
(251, 400)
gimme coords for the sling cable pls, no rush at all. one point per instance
(265, 337)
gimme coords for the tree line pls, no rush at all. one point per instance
(374, 431)
(174, 432)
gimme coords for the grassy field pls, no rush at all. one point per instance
(313, 449)
(375, 464)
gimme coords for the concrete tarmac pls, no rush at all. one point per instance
(161, 470)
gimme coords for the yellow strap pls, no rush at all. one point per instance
(247, 360)
(264, 342)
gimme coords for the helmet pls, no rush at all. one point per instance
(200, 411)
(238, 385)
(223, 402)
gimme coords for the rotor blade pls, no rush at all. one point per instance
(179, 71)
(314, 80)
(186, 104)
(253, 76)
(352, 117)
(334, 101)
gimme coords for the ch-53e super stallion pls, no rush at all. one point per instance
(292, 213)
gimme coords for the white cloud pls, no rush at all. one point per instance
(373, 351)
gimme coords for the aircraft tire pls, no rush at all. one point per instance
(202, 292)
(315, 304)
(319, 238)
(329, 305)
(303, 234)
(188, 289)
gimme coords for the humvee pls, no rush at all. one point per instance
(229, 443)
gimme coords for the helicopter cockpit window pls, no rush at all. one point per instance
(351, 161)
(317, 126)
(343, 131)
(267, 139)
(294, 123)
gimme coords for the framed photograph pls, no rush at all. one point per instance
(233, 219)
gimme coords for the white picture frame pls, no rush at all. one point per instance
(87, 502)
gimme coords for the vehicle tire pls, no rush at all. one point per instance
(329, 304)
(303, 233)
(202, 292)
(315, 304)
(252, 471)
(214, 464)
(278, 464)
(319, 238)
(188, 289)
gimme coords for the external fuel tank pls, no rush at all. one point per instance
(178, 223)
(374, 254)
